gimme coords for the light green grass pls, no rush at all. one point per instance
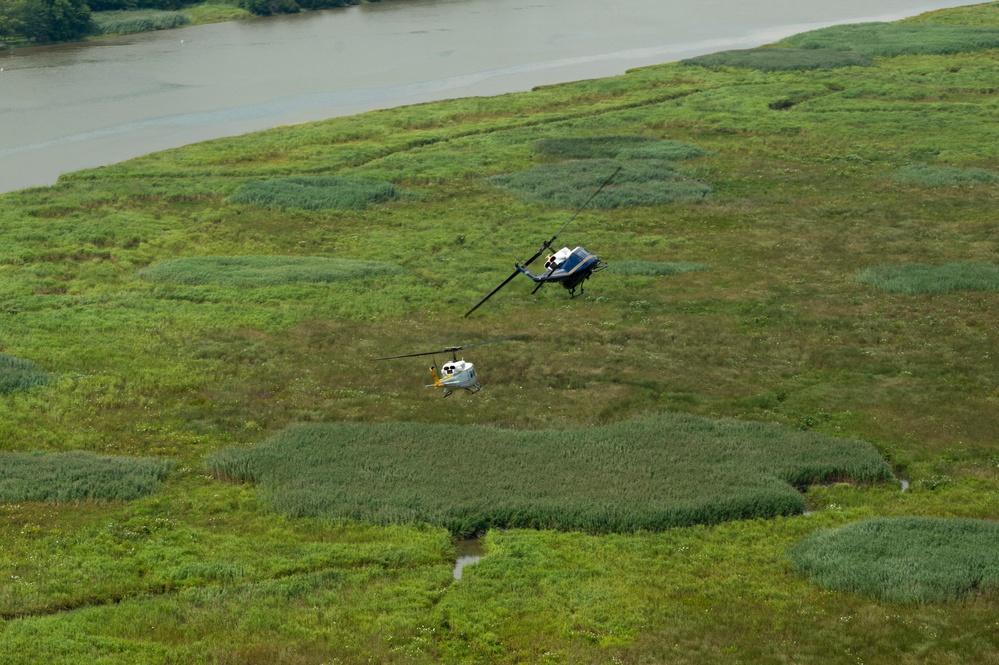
(316, 193)
(78, 476)
(258, 271)
(208, 12)
(127, 22)
(778, 59)
(916, 278)
(649, 474)
(905, 559)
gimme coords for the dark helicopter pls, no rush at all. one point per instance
(454, 374)
(568, 267)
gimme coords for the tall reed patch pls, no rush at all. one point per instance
(256, 271)
(652, 473)
(904, 559)
(892, 39)
(78, 476)
(929, 175)
(126, 22)
(20, 374)
(782, 59)
(316, 193)
(641, 182)
(915, 278)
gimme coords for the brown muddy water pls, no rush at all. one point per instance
(467, 552)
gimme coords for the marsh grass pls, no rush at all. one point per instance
(316, 193)
(258, 271)
(641, 182)
(127, 22)
(623, 147)
(78, 476)
(778, 331)
(929, 175)
(894, 39)
(20, 374)
(782, 59)
(651, 474)
(916, 278)
(904, 559)
(652, 268)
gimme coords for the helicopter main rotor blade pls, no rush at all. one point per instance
(451, 349)
(504, 283)
(576, 214)
(413, 355)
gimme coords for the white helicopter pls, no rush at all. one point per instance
(454, 374)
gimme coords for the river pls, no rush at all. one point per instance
(82, 105)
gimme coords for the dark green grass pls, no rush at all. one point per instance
(651, 474)
(904, 559)
(257, 271)
(915, 278)
(782, 59)
(652, 268)
(928, 175)
(20, 374)
(623, 147)
(893, 39)
(127, 22)
(316, 193)
(641, 182)
(78, 476)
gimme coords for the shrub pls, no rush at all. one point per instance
(891, 39)
(916, 278)
(904, 559)
(777, 59)
(269, 7)
(316, 193)
(651, 268)
(928, 175)
(652, 473)
(609, 147)
(572, 183)
(19, 374)
(77, 476)
(128, 22)
(257, 271)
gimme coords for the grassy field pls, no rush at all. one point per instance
(151, 312)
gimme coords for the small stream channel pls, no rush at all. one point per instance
(467, 552)
(470, 550)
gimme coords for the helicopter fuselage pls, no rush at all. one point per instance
(567, 267)
(456, 375)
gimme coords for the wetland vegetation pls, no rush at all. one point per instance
(303, 501)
